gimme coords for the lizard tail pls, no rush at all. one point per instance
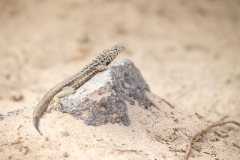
(35, 123)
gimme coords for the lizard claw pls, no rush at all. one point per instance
(57, 106)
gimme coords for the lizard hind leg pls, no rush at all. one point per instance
(65, 91)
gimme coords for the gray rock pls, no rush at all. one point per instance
(1, 116)
(103, 98)
(14, 112)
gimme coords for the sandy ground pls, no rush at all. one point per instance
(187, 51)
(159, 132)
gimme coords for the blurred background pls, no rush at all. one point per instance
(187, 51)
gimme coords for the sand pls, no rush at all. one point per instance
(188, 53)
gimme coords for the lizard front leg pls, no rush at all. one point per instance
(65, 91)
(101, 68)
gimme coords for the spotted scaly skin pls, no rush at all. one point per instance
(69, 85)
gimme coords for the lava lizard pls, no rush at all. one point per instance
(69, 85)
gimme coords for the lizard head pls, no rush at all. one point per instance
(110, 54)
(114, 50)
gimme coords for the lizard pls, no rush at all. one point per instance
(69, 85)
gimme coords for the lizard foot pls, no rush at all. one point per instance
(54, 107)
(65, 91)
(57, 105)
